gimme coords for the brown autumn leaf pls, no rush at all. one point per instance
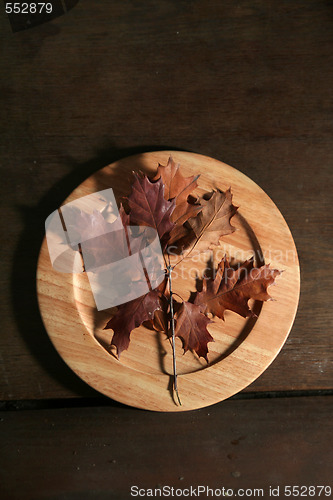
(232, 288)
(183, 212)
(213, 221)
(148, 206)
(191, 327)
(178, 187)
(161, 318)
(130, 316)
(181, 234)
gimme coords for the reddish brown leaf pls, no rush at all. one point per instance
(130, 316)
(184, 211)
(160, 322)
(148, 206)
(161, 317)
(191, 327)
(231, 289)
(180, 215)
(213, 221)
(176, 186)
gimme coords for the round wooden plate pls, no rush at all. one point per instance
(243, 348)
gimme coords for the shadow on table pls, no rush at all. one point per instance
(23, 282)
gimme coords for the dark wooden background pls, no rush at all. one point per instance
(246, 82)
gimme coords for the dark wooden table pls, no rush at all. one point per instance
(246, 82)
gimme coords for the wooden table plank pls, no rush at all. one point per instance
(248, 83)
(100, 452)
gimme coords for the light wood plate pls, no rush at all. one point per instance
(242, 350)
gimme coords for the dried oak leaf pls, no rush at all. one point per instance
(184, 212)
(161, 318)
(191, 327)
(232, 288)
(148, 206)
(213, 221)
(178, 187)
(130, 316)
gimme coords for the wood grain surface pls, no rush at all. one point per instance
(243, 348)
(246, 82)
(99, 453)
(249, 83)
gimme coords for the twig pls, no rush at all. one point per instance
(172, 326)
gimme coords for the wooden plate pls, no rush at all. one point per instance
(242, 350)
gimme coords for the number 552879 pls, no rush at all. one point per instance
(28, 8)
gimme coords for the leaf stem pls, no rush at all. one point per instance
(172, 326)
